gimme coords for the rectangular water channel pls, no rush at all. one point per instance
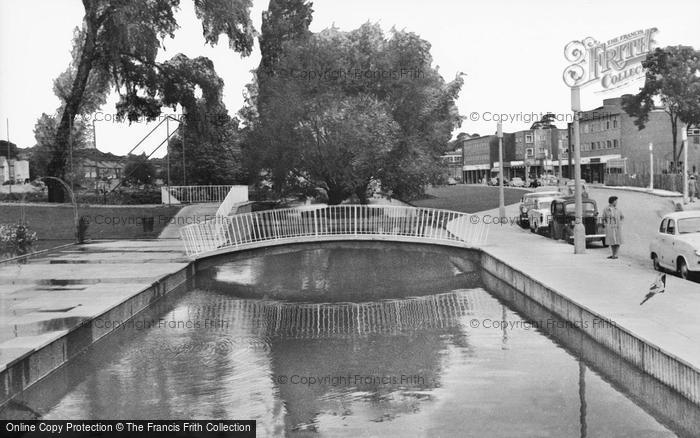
(358, 339)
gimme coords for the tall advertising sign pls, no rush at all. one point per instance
(612, 64)
(609, 65)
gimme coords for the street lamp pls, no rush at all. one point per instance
(651, 166)
(559, 153)
(501, 194)
(684, 145)
(167, 154)
(182, 124)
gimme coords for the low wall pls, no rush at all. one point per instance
(666, 368)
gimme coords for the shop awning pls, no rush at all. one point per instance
(476, 167)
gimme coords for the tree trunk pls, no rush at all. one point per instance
(336, 195)
(361, 193)
(57, 165)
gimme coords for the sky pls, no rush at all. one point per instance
(511, 51)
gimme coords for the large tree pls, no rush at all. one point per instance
(673, 78)
(211, 149)
(138, 170)
(343, 144)
(394, 72)
(116, 49)
(45, 135)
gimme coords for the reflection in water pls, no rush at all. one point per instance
(269, 318)
(354, 274)
(430, 353)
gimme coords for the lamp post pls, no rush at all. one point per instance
(7, 124)
(684, 145)
(651, 166)
(183, 125)
(501, 194)
(579, 230)
(559, 152)
(167, 154)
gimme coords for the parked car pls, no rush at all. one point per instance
(676, 246)
(451, 181)
(549, 180)
(517, 182)
(563, 212)
(570, 188)
(527, 202)
(540, 215)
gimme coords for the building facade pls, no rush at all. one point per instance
(452, 163)
(612, 143)
(480, 157)
(537, 152)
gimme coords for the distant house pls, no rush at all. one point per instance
(13, 170)
(98, 169)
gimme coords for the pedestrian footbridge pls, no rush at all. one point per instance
(229, 233)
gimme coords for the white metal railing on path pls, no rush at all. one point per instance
(194, 194)
(343, 221)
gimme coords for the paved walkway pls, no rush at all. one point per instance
(40, 301)
(189, 214)
(611, 288)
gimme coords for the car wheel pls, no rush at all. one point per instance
(683, 269)
(566, 236)
(655, 262)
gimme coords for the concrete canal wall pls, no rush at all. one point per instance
(502, 278)
(666, 368)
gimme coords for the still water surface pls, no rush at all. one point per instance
(349, 340)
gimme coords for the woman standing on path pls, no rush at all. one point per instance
(612, 218)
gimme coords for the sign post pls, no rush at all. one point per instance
(611, 64)
(579, 229)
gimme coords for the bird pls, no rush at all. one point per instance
(657, 287)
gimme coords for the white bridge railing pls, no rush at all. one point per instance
(327, 222)
(194, 194)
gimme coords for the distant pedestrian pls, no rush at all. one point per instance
(692, 188)
(612, 218)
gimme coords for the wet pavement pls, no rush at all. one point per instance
(45, 298)
(611, 288)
